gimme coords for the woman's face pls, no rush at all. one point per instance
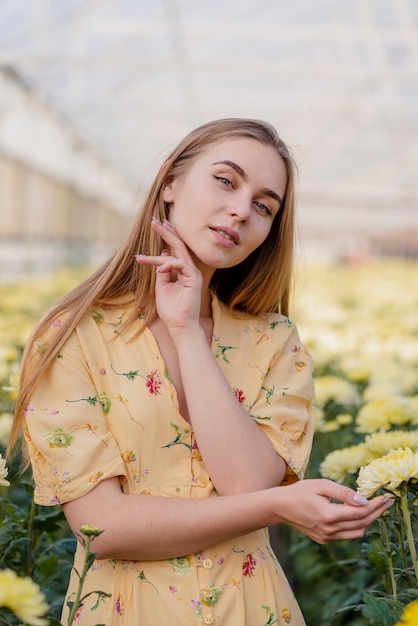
(223, 204)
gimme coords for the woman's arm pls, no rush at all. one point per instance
(145, 527)
(239, 457)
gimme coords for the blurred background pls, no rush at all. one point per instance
(94, 92)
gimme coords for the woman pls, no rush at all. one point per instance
(168, 399)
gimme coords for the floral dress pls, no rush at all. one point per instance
(107, 408)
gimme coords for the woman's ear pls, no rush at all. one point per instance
(168, 189)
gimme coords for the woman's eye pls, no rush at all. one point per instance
(263, 207)
(224, 181)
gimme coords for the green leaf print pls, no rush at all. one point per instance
(260, 418)
(269, 393)
(104, 399)
(286, 322)
(271, 618)
(129, 375)
(177, 441)
(93, 400)
(221, 352)
(98, 317)
(141, 576)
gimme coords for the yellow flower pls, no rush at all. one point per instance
(381, 442)
(3, 473)
(380, 414)
(389, 471)
(6, 420)
(13, 387)
(329, 427)
(344, 419)
(23, 597)
(339, 463)
(410, 615)
(334, 388)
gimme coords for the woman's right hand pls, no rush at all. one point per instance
(324, 511)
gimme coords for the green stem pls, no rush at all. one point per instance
(386, 540)
(31, 539)
(399, 532)
(408, 527)
(86, 567)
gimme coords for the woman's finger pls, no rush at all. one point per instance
(168, 233)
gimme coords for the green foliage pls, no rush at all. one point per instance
(34, 541)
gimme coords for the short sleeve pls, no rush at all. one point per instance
(284, 408)
(69, 443)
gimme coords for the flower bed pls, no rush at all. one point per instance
(361, 325)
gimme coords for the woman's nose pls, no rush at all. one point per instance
(240, 207)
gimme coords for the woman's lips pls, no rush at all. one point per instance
(226, 233)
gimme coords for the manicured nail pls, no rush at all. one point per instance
(389, 501)
(156, 220)
(359, 499)
(140, 256)
(167, 223)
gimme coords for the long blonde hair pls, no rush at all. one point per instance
(259, 284)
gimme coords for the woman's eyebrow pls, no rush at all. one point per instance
(238, 169)
(234, 166)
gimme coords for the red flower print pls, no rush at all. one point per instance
(78, 613)
(154, 382)
(102, 372)
(57, 323)
(239, 394)
(249, 564)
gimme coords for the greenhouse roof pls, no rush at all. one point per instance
(338, 78)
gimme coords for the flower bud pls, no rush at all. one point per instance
(90, 531)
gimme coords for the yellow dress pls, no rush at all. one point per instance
(107, 408)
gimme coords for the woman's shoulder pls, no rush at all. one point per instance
(269, 320)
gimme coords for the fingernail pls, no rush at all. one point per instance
(140, 256)
(168, 223)
(156, 220)
(359, 499)
(389, 501)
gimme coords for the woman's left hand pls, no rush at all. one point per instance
(178, 281)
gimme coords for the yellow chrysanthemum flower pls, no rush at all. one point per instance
(334, 388)
(23, 597)
(6, 420)
(380, 414)
(339, 463)
(410, 615)
(13, 387)
(389, 471)
(380, 443)
(3, 473)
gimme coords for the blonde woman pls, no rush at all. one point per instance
(168, 399)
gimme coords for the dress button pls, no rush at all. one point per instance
(208, 619)
(207, 564)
